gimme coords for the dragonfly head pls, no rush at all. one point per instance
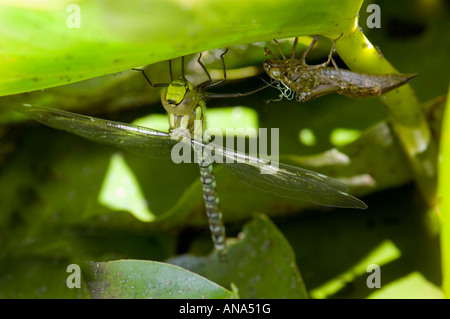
(179, 97)
(272, 69)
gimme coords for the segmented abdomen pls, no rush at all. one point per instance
(212, 207)
(353, 84)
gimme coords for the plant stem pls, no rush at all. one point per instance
(405, 112)
(444, 195)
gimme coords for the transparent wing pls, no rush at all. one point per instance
(133, 138)
(285, 180)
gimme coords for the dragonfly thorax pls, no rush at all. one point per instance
(193, 122)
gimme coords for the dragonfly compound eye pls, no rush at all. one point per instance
(275, 73)
(188, 103)
(267, 65)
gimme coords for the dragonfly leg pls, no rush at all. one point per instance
(209, 84)
(303, 58)
(182, 69)
(230, 95)
(267, 51)
(293, 48)
(337, 69)
(156, 84)
(279, 49)
(330, 58)
(204, 69)
(332, 50)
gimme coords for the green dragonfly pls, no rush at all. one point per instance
(185, 105)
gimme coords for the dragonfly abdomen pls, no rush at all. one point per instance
(212, 207)
(353, 84)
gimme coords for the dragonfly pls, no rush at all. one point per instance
(297, 79)
(185, 105)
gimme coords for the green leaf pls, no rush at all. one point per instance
(125, 279)
(37, 277)
(412, 286)
(50, 49)
(121, 191)
(383, 254)
(260, 263)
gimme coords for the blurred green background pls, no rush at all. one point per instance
(54, 187)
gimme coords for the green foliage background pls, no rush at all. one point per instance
(50, 181)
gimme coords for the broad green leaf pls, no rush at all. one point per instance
(138, 279)
(260, 262)
(68, 41)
